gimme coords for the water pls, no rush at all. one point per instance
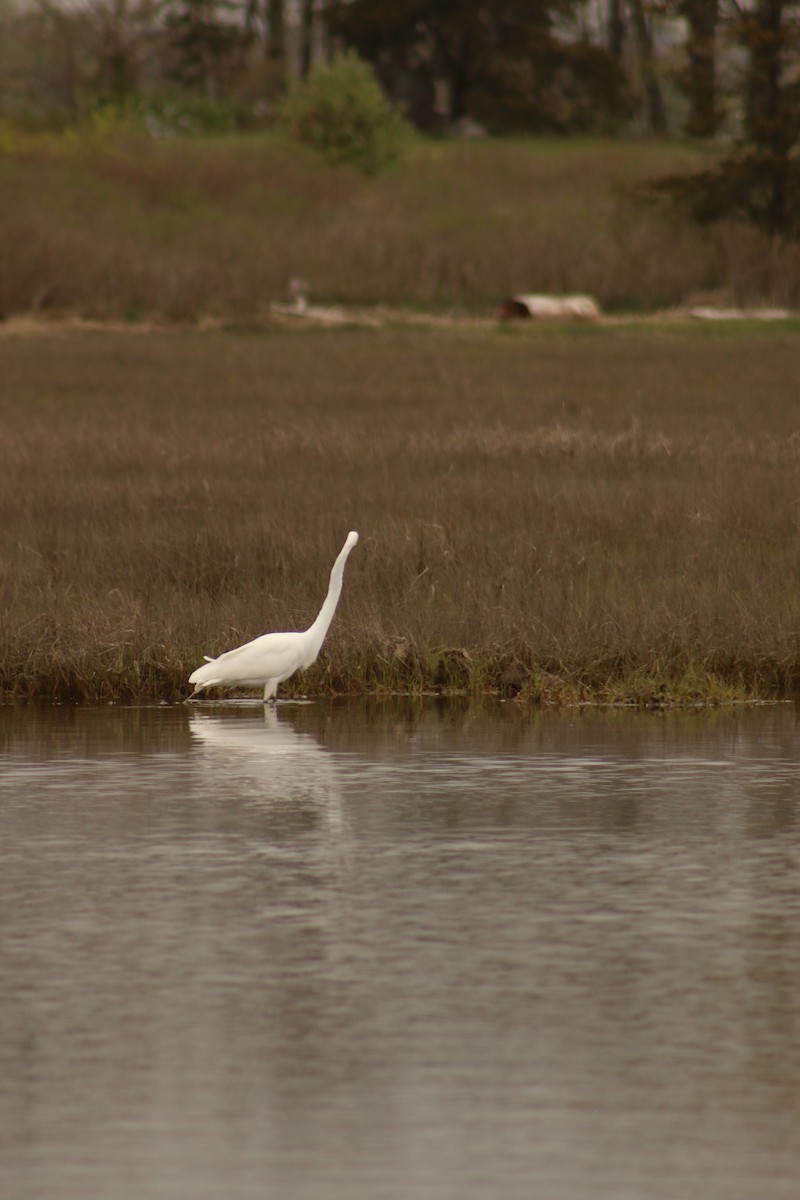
(399, 953)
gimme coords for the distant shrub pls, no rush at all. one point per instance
(191, 113)
(173, 115)
(341, 112)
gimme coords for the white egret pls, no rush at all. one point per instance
(273, 657)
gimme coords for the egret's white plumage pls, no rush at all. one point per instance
(273, 657)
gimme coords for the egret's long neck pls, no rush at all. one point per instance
(315, 634)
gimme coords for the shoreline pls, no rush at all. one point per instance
(381, 317)
(541, 690)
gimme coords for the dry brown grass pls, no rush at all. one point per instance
(179, 230)
(613, 513)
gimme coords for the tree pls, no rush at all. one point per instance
(119, 26)
(701, 76)
(409, 39)
(55, 59)
(264, 25)
(205, 44)
(655, 112)
(759, 179)
(276, 40)
(502, 63)
(307, 14)
(772, 114)
(616, 30)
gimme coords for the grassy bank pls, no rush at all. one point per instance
(132, 228)
(609, 513)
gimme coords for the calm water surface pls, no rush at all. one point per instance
(399, 953)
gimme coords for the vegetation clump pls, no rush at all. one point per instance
(340, 111)
(757, 181)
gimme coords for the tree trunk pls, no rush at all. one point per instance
(654, 102)
(306, 36)
(276, 41)
(765, 112)
(616, 29)
(703, 116)
(770, 119)
(274, 48)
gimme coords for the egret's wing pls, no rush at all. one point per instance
(271, 656)
(270, 647)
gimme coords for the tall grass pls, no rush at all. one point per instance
(609, 514)
(130, 228)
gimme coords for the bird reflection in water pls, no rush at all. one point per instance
(256, 755)
(272, 804)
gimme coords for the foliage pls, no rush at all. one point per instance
(699, 77)
(513, 65)
(759, 179)
(749, 184)
(175, 113)
(341, 112)
(204, 49)
(502, 64)
(557, 87)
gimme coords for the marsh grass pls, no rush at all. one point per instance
(613, 515)
(178, 230)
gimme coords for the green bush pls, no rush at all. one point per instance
(341, 112)
(191, 113)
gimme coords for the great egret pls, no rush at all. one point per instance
(273, 657)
